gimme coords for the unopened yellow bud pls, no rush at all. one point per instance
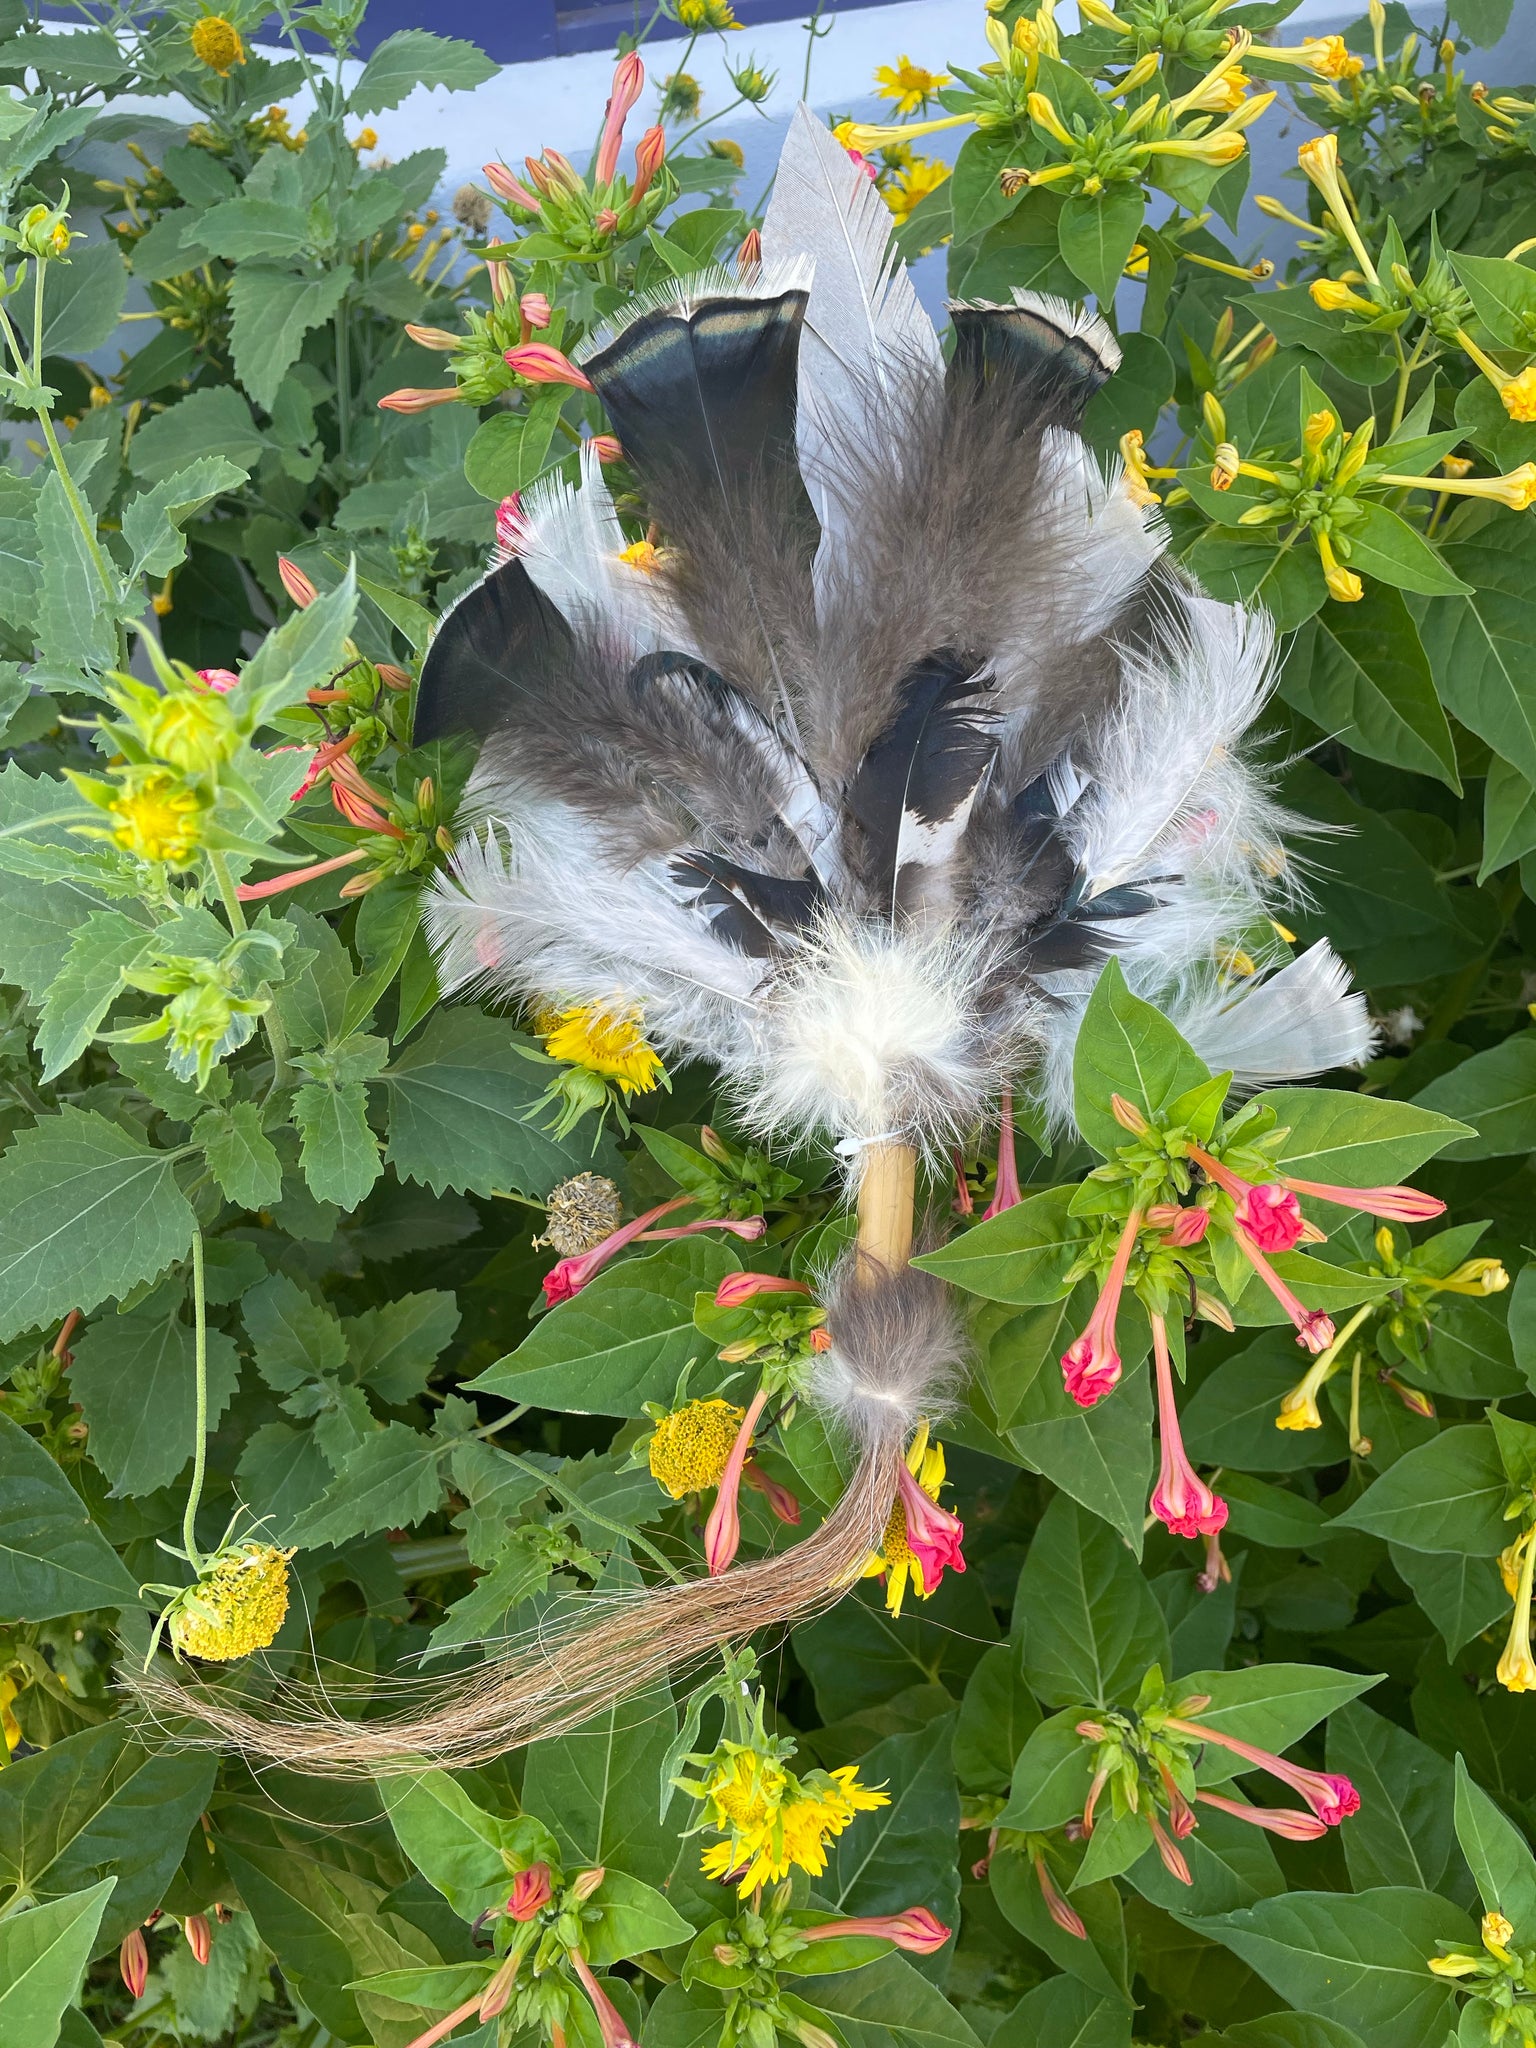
(1224, 467)
(1496, 1931)
(1318, 428)
(1214, 415)
(1386, 1243)
(1454, 1966)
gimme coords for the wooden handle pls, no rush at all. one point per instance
(886, 1195)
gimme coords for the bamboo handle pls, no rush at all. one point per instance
(886, 1195)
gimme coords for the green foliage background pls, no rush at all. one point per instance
(363, 1169)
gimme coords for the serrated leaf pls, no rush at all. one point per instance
(273, 311)
(412, 57)
(215, 420)
(75, 621)
(295, 1338)
(241, 1157)
(135, 1378)
(339, 1154)
(86, 985)
(85, 1212)
(393, 1347)
(153, 519)
(391, 1481)
(300, 655)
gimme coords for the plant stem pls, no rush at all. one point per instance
(200, 1455)
(234, 910)
(578, 1506)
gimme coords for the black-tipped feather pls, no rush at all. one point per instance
(497, 638)
(1037, 348)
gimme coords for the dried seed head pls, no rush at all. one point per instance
(581, 1212)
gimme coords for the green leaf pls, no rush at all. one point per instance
(245, 229)
(1355, 1141)
(1022, 1255)
(135, 1377)
(390, 1481)
(1063, 2013)
(468, 1853)
(283, 1474)
(52, 1559)
(1231, 1865)
(1101, 1961)
(1385, 546)
(1404, 1832)
(892, 2005)
(1091, 1623)
(413, 57)
(630, 1919)
(1448, 1494)
(1461, 1595)
(902, 1854)
(1097, 235)
(624, 1340)
(1126, 1047)
(510, 450)
(295, 1337)
(1494, 1092)
(273, 311)
(100, 1804)
(85, 1212)
(1360, 672)
(153, 519)
(1101, 1456)
(241, 1157)
(82, 300)
(1360, 1959)
(596, 1788)
(339, 1154)
(1268, 1705)
(212, 421)
(300, 655)
(302, 1916)
(393, 1347)
(1051, 1776)
(1499, 1856)
(1503, 295)
(1296, 322)
(461, 1094)
(43, 1955)
(859, 1653)
(1482, 647)
(1509, 818)
(998, 1715)
(74, 624)
(87, 984)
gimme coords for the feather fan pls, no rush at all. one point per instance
(906, 731)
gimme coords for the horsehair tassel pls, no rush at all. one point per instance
(549, 1681)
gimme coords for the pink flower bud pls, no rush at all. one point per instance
(221, 680)
(1184, 1227)
(509, 523)
(538, 363)
(784, 1504)
(918, 1931)
(933, 1534)
(505, 186)
(628, 84)
(534, 308)
(650, 155)
(531, 1889)
(414, 398)
(722, 1532)
(199, 1936)
(605, 220)
(296, 583)
(1271, 1215)
(606, 448)
(432, 337)
(750, 254)
(133, 1962)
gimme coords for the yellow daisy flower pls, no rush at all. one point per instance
(613, 1046)
(908, 86)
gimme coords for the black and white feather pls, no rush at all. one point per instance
(908, 729)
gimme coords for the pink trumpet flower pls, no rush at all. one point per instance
(964, 1203)
(445, 2026)
(532, 1889)
(220, 680)
(1007, 1195)
(1397, 1205)
(722, 1532)
(1181, 1500)
(1090, 1365)
(505, 186)
(934, 1535)
(257, 892)
(539, 363)
(1331, 1796)
(509, 523)
(1288, 1821)
(628, 84)
(1066, 1919)
(737, 1288)
(1314, 1330)
(749, 1229)
(783, 1503)
(918, 1931)
(609, 2019)
(571, 1274)
(1269, 1213)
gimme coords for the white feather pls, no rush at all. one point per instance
(866, 335)
(1300, 1021)
(570, 541)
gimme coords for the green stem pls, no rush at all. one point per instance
(234, 910)
(578, 1506)
(1405, 369)
(200, 1455)
(343, 382)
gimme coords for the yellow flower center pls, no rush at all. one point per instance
(690, 1447)
(237, 1606)
(216, 43)
(614, 1047)
(157, 820)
